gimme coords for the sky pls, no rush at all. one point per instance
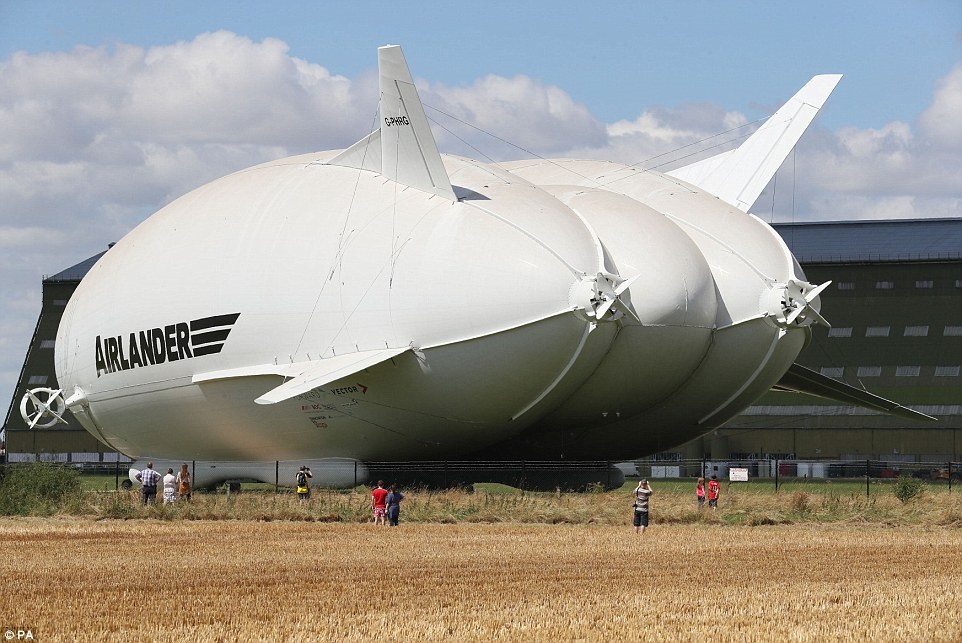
(111, 109)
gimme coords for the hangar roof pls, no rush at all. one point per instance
(874, 241)
(77, 272)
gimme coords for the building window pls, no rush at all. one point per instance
(60, 302)
(877, 331)
(884, 285)
(48, 343)
(916, 331)
(958, 283)
(840, 332)
(952, 331)
(845, 285)
(925, 283)
(869, 371)
(907, 371)
(36, 380)
(946, 371)
(833, 371)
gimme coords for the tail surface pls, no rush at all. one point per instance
(739, 176)
(403, 148)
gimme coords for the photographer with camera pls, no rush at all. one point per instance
(303, 486)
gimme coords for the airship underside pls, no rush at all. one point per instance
(386, 302)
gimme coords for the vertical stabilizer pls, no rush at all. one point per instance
(403, 149)
(739, 176)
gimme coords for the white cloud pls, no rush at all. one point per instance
(532, 116)
(941, 123)
(13, 237)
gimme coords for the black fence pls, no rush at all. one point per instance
(778, 470)
(551, 475)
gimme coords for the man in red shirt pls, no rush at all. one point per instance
(379, 502)
(713, 489)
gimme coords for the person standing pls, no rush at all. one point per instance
(303, 486)
(170, 487)
(379, 503)
(642, 495)
(394, 498)
(183, 483)
(713, 490)
(700, 493)
(149, 479)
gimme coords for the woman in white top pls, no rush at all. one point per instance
(170, 487)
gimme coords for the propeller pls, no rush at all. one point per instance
(42, 404)
(603, 292)
(794, 304)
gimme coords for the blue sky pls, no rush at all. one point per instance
(109, 110)
(615, 59)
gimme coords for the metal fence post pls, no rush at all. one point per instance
(950, 477)
(867, 478)
(776, 475)
(277, 476)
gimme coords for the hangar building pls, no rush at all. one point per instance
(895, 305)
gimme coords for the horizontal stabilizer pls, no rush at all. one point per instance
(739, 176)
(284, 370)
(799, 379)
(326, 371)
(403, 149)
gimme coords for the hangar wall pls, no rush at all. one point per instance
(38, 371)
(895, 305)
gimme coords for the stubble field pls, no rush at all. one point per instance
(76, 578)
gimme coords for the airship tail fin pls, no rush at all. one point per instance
(328, 370)
(403, 148)
(803, 380)
(739, 176)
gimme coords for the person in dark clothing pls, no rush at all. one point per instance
(394, 498)
(149, 478)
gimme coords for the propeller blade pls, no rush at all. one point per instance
(814, 314)
(798, 310)
(817, 290)
(603, 309)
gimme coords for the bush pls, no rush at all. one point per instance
(907, 488)
(39, 489)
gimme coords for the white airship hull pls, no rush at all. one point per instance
(390, 303)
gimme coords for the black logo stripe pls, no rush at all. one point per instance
(209, 337)
(213, 322)
(207, 350)
(211, 340)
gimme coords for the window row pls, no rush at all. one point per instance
(900, 371)
(884, 331)
(884, 284)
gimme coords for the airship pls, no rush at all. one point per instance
(389, 303)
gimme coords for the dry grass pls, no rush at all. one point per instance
(139, 580)
(671, 504)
